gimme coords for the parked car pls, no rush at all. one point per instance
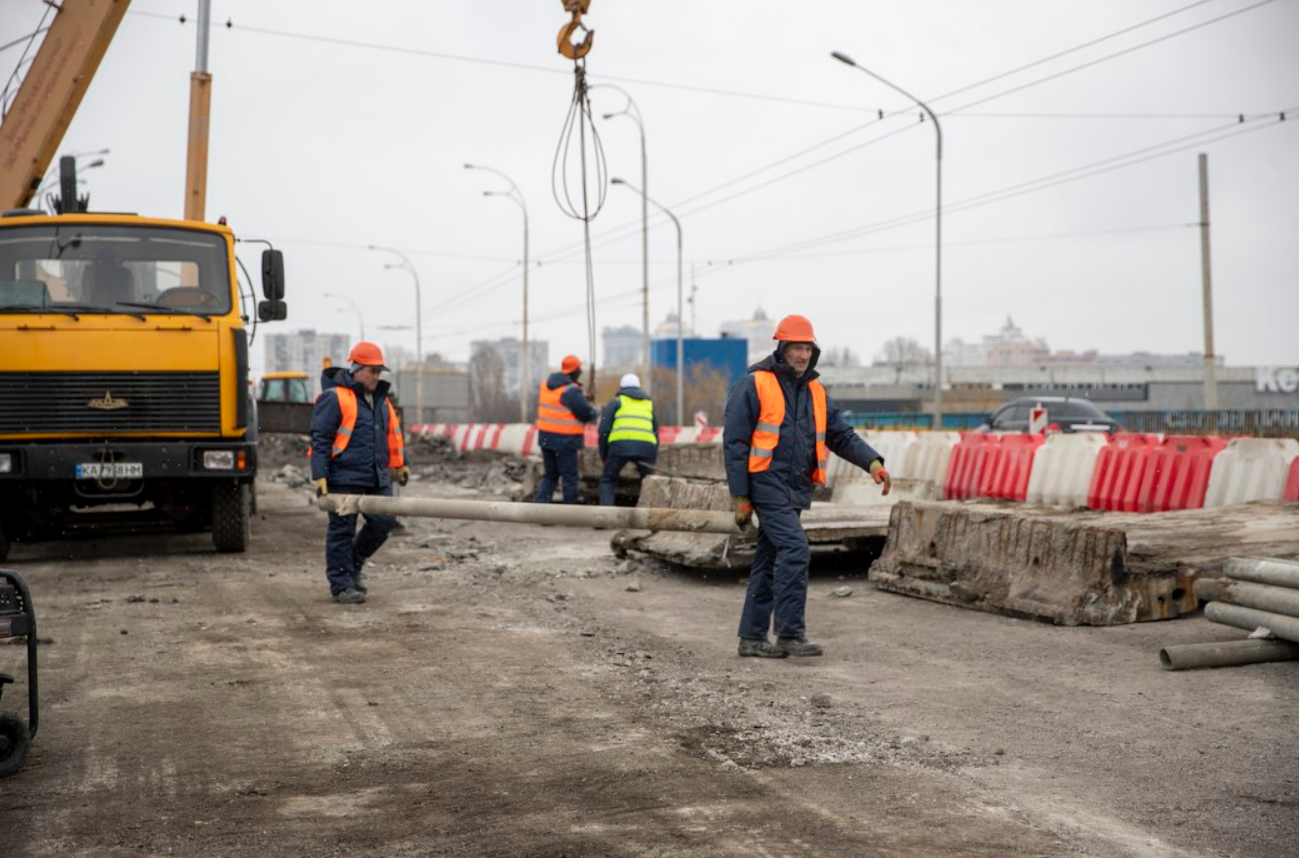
(1069, 413)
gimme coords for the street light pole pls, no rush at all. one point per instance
(525, 357)
(681, 362)
(938, 240)
(632, 110)
(419, 330)
(355, 307)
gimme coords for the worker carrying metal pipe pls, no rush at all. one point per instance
(780, 428)
(562, 414)
(356, 449)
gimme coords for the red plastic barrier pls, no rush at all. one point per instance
(668, 434)
(965, 467)
(591, 437)
(1292, 483)
(708, 434)
(528, 441)
(1005, 475)
(1177, 474)
(1120, 467)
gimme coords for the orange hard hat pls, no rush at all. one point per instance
(795, 329)
(570, 363)
(366, 354)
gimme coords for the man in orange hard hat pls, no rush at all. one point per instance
(356, 449)
(562, 412)
(780, 429)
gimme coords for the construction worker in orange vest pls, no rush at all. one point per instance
(780, 428)
(356, 449)
(562, 412)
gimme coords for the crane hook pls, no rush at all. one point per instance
(577, 8)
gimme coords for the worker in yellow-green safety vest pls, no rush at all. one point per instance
(629, 432)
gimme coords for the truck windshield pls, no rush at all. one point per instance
(105, 268)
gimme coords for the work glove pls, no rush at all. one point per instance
(322, 487)
(401, 475)
(743, 509)
(881, 476)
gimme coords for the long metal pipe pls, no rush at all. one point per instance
(1252, 618)
(634, 518)
(1278, 600)
(1226, 654)
(1278, 573)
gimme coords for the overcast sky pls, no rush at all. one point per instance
(1069, 166)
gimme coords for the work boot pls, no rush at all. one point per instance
(359, 582)
(797, 647)
(751, 648)
(350, 596)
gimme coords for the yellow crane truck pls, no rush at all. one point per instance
(124, 389)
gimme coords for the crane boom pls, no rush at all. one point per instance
(50, 93)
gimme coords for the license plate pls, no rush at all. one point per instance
(110, 470)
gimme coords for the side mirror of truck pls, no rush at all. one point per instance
(272, 311)
(273, 275)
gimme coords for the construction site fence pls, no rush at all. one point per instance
(1271, 423)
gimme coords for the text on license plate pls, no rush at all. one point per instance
(109, 470)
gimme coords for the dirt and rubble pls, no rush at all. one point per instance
(512, 690)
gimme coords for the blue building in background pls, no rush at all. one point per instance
(727, 356)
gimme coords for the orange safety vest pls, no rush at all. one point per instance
(347, 404)
(555, 416)
(771, 413)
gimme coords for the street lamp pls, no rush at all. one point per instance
(681, 362)
(355, 307)
(525, 358)
(419, 336)
(938, 241)
(632, 110)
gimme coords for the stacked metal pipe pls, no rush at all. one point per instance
(1261, 596)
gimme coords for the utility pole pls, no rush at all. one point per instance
(1210, 366)
(200, 101)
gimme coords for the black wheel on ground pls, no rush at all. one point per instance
(231, 517)
(14, 742)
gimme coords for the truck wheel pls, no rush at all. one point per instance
(231, 517)
(14, 742)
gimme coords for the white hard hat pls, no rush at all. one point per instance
(631, 379)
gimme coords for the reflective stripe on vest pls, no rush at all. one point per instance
(555, 416)
(347, 405)
(771, 413)
(634, 421)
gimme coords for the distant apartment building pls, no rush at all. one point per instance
(510, 352)
(305, 351)
(622, 345)
(756, 332)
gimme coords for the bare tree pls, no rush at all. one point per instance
(904, 353)
(488, 400)
(839, 356)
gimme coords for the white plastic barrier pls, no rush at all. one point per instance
(1250, 469)
(1063, 467)
(892, 446)
(926, 460)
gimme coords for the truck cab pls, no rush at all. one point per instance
(124, 374)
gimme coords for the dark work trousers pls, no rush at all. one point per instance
(779, 575)
(612, 468)
(346, 550)
(559, 464)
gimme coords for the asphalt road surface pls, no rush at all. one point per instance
(519, 691)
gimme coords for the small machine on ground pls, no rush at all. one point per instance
(17, 619)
